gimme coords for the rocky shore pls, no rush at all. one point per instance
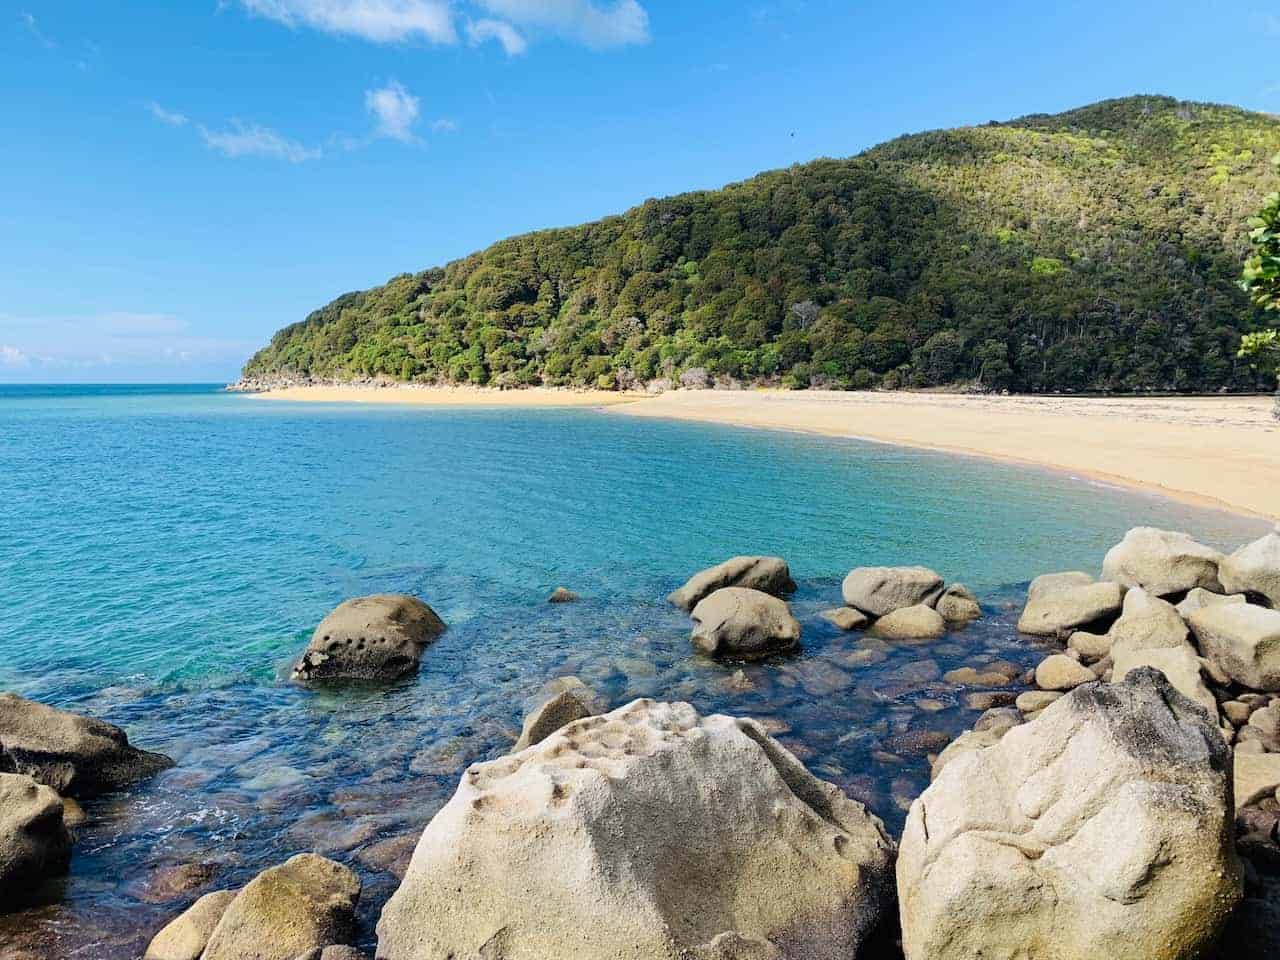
(1117, 800)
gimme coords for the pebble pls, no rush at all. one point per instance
(1061, 672)
(1033, 701)
(985, 701)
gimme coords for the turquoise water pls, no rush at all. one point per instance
(165, 552)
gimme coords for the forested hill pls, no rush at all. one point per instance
(1092, 250)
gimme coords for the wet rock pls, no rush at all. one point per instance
(769, 575)
(1147, 623)
(1101, 829)
(305, 903)
(1243, 640)
(1255, 777)
(969, 677)
(1199, 598)
(744, 624)
(374, 638)
(34, 842)
(76, 756)
(1058, 605)
(1255, 569)
(846, 618)
(774, 854)
(185, 937)
(920, 622)
(389, 856)
(820, 678)
(958, 605)
(917, 743)
(879, 591)
(1060, 672)
(177, 880)
(73, 814)
(563, 595)
(563, 701)
(989, 700)
(1162, 562)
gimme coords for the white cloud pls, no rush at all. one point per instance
(444, 125)
(396, 111)
(33, 27)
(381, 21)
(251, 140)
(488, 29)
(170, 117)
(12, 358)
(599, 25)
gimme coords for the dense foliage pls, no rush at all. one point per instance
(1262, 270)
(1096, 249)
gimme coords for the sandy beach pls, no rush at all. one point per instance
(1221, 452)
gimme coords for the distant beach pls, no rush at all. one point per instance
(1210, 451)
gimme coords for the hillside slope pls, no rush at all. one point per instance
(1094, 249)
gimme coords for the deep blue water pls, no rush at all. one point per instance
(165, 552)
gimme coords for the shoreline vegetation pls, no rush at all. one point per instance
(1205, 451)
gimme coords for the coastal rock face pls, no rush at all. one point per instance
(958, 604)
(370, 638)
(1103, 828)
(1180, 666)
(920, 622)
(1255, 569)
(1162, 562)
(187, 935)
(1059, 604)
(76, 756)
(561, 702)
(34, 843)
(306, 903)
(745, 624)
(767, 574)
(878, 591)
(647, 832)
(1243, 640)
(1147, 623)
(1200, 598)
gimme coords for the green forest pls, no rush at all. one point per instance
(1094, 250)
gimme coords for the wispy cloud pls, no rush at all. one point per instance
(395, 110)
(33, 27)
(169, 117)
(444, 125)
(512, 41)
(381, 21)
(252, 140)
(598, 25)
(12, 358)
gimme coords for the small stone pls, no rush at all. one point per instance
(930, 706)
(1090, 646)
(1033, 701)
(969, 677)
(920, 622)
(1236, 712)
(958, 605)
(846, 618)
(988, 700)
(563, 595)
(1060, 672)
(1266, 719)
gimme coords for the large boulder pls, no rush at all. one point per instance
(305, 903)
(1057, 582)
(1147, 623)
(1103, 828)
(744, 624)
(186, 936)
(1243, 641)
(1255, 569)
(1162, 562)
(370, 638)
(76, 756)
(767, 574)
(1060, 604)
(34, 842)
(647, 832)
(878, 591)
(560, 702)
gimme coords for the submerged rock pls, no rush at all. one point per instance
(76, 756)
(1255, 569)
(1101, 829)
(744, 624)
(1162, 562)
(370, 638)
(878, 591)
(647, 832)
(1060, 604)
(34, 842)
(561, 702)
(958, 605)
(1243, 640)
(769, 575)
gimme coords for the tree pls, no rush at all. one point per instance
(1262, 282)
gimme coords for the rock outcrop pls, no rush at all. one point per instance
(744, 624)
(1255, 569)
(647, 832)
(560, 702)
(1162, 562)
(1243, 640)
(1103, 828)
(76, 756)
(878, 591)
(1058, 604)
(767, 574)
(374, 638)
(34, 842)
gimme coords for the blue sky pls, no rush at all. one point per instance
(179, 179)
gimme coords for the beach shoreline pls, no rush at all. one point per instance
(1206, 451)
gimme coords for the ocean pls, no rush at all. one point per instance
(165, 553)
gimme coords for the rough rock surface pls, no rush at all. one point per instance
(369, 638)
(1243, 640)
(1180, 666)
(561, 702)
(305, 903)
(920, 622)
(846, 618)
(1255, 569)
(1147, 623)
(744, 624)
(647, 832)
(34, 842)
(187, 935)
(1162, 562)
(958, 604)
(1059, 672)
(1199, 598)
(76, 756)
(878, 591)
(1059, 604)
(767, 574)
(1256, 776)
(1100, 829)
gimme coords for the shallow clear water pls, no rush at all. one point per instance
(165, 552)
